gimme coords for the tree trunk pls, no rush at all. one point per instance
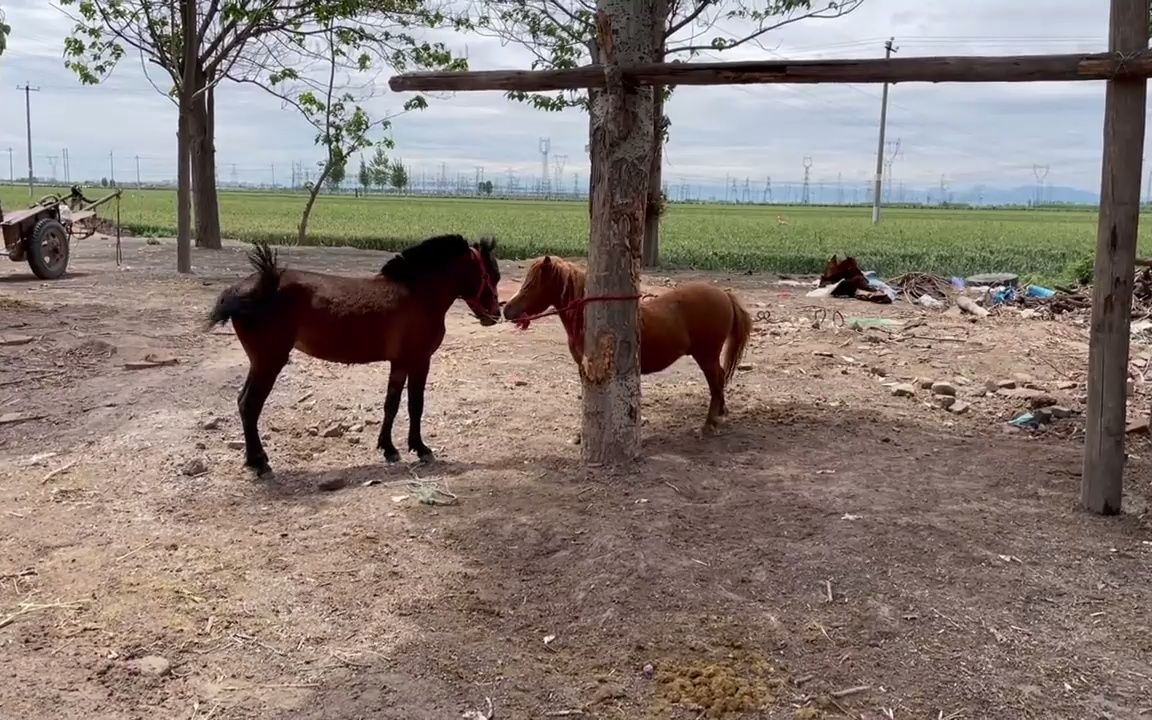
(621, 121)
(204, 169)
(183, 193)
(650, 256)
(650, 253)
(302, 230)
(183, 141)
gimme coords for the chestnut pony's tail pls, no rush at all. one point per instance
(244, 301)
(737, 338)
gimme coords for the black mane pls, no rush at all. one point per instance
(424, 258)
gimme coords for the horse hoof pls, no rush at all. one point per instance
(710, 429)
(261, 471)
(426, 457)
(391, 456)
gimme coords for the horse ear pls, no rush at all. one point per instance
(834, 260)
(546, 261)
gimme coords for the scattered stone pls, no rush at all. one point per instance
(648, 670)
(943, 388)
(1003, 385)
(944, 401)
(235, 444)
(959, 407)
(1139, 427)
(821, 353)
(608, 691)
(745, 367)
(200, 445)
(1060, 412)
(1036, 398)
(924, 383)
(314, 430)
(878, 371)
(521, 383)
(194, 467)
(213, 423)
(14, 340)
(353, 440)
(1042, 415)
(334, 431)
(1024, 379)
(961, 380)
(153, 665)
(903, 390)
(1067, 385)
(1130, 386)
(357, 428)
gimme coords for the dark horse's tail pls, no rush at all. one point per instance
(737, 338)
(248, 299)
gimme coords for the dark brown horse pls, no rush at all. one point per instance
(395, 316)
(694, 319)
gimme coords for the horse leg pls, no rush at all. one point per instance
(396, 379)
(714, 374)
(418, 377)
(258, 385)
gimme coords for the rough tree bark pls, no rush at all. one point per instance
(621, 124)
(183, 141)
(203, 128)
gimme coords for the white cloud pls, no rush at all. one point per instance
(990, 134)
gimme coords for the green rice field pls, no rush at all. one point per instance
(1041, 244)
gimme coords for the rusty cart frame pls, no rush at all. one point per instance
(42, 234)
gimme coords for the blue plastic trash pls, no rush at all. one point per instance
(1035, 291)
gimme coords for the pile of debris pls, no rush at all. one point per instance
(978, 295)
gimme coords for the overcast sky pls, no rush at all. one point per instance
(991, 134)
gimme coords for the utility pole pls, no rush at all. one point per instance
(888, 50)
(28, 90)
(11, 168)
(137, 172)
(112, 168)
(67, 167)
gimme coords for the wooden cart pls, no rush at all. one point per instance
(42, 234)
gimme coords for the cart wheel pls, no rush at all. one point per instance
(48, 249)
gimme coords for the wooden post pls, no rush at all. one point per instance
(621, 124)
(1124, 107)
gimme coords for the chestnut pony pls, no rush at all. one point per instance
(395, 316)
(694, 319)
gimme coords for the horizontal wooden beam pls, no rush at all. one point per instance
(970, 69)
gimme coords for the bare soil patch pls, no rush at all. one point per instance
(837, 550)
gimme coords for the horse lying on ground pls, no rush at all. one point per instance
(395, 316)
(694, 319)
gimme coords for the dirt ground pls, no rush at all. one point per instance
(837, 551)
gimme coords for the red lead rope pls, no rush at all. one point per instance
(526, 320)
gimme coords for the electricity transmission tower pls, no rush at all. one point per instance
(889, 160)
(767, 189)
(558, 162)
(545, 179)
(1041, 173)
(805, 198)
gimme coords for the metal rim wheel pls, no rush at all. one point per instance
(48, 249)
